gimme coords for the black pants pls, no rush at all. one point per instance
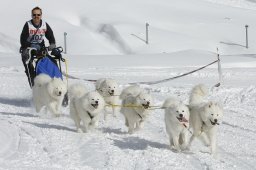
(29, 70)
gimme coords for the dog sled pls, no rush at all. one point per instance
(47, 63)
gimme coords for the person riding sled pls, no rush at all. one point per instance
(32, 44)
(32, 35)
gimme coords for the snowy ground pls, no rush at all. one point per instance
(30, 140)
(184, 37)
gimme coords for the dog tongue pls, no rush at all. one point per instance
(184, 119)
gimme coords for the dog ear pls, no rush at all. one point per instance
(210, 104)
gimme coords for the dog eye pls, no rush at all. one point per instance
(92, 99)
(177, 111)
(212, 114)
(217, 114)
(182, 110)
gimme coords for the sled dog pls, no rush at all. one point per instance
(176, 123)
(109, 90)
(85, 106)
(135, 105)
(48, 92)
(205, 116)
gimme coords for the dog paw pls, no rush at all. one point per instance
(175, 149)
(79, 130)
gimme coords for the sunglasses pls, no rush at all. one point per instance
(36, 15)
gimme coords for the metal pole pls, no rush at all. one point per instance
(147, 33)
(246, 29)
(65, 42)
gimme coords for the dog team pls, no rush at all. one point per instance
(200, 115)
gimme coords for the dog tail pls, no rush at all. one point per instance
(41, 79)
(131, 91)
(77, 90)
(198, 93)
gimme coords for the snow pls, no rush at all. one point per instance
(106, 39)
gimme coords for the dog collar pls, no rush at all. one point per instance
(89, 114)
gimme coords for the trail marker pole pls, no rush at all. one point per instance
(147, 33)
(65, 42)
(246, 30)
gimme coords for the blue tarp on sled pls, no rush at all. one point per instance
(47, 66)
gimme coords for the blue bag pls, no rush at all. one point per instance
(47, 66)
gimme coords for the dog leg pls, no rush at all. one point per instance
(85, 122)
(52, 107)
(131, 127)
(212, 137)
(105, 114)
(126, 122)
(176, 143)
(184, 143)
(204, 139)
(114, 110)
(137, 126)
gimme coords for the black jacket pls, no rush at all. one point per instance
(25, 34)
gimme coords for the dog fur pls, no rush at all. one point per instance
(85, 106)
(109, 90)
(177, 123)
(48, 92)
(135, 105)
(204, 117)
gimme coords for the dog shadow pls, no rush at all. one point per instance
(49, 126)
(18, 114)
(136, 143)
(115, 131)
(15, 102)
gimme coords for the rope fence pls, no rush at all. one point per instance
(167, 79)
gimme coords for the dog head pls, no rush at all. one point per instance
(57, 88)
(109, 87)
(93, 102)
(212, 113)
(176, 109)
(144, 100)
(182, 113)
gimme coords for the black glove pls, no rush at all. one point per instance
(56, 52)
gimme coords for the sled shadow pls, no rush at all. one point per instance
(136, 143)
(49, 126)
(116, 131)
(15, 102)
(18, 114)
(233, 44)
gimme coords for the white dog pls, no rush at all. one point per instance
(204, 117)
(48, 92)
(109, 90)
(85, 106)
(135, 104)
(176, 122)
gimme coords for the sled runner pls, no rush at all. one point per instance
(47, 64)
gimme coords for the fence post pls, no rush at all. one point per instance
(65, 42)
(246, 29)
(147, 33)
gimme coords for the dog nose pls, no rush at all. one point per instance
(181, 115)
(148, 102)
(112, 91)
(215, 120)
(96, 102)
(59, 92)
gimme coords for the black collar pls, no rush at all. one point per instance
(89, 114)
